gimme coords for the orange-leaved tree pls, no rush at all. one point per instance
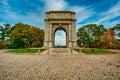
(108, 38)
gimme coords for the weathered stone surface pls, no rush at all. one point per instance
(60, 20)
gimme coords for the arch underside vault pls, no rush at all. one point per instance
(60, 20)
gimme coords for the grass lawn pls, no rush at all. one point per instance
(23, 51)
(94, 51)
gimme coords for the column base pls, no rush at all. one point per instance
(48, 44)
(72, 44)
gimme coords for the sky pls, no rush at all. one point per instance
(106, 12)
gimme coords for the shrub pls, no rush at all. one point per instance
(18, 43)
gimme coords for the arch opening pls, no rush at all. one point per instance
(60, 38)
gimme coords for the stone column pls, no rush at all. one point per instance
(50, 36)
(74, 37)
(69, 36)
(46, 34)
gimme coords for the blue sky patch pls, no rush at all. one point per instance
(33, 11)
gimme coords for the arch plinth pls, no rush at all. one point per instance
(60, 20)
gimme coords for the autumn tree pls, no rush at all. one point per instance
(36, 37)
(25, 34)
(20, 33)
(108, 38)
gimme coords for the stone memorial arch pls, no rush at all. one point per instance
(60, 20)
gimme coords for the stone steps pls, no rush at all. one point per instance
(59, 50)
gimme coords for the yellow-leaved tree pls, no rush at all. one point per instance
(23, 35)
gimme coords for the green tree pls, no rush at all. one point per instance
(98, 31)
(90, 34)
(20, 32)
(17, 43)
(84, 37)
(5, 32)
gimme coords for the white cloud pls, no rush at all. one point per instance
(29, 18)
(109, 15)
(12, 17)
(115, 8)
(82, 13)
(55, 4)
(105, 19)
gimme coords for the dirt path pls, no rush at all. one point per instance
(59, 67)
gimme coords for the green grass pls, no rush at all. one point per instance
(23, 51)
(78, 50)
(96, 51)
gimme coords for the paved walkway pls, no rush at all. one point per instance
(59, 67)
